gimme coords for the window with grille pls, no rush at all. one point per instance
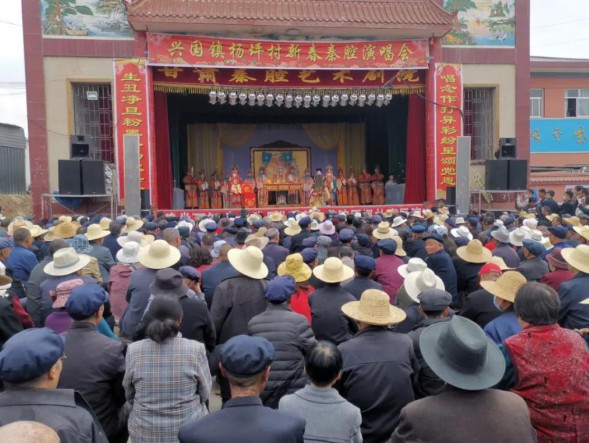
(479, 121)
(576, 102)
(93, 118)
(537, 103)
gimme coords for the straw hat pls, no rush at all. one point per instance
(295, 267)
(585, 302)
(185, 224)
(257, 241)
(506, 286)
(290, 221)
(318, 215)
(159, 255)
(526, 215)
(417, 282)
(66, 261)
(105, 223)
(416, 214)
(132, 224)
(574, 220)
(252, 218)
(500, 262)
(50, 236)
(552, 216)
(577, 257)
(583, 231)
(137, 237)
(261, 232)
(374, 308)
(249, 262)
(461, 231)
(474, 252)
(5, 282)
(400, 252)
(383, 231)
(293, 229)
(66, 229)
(37, 231)
(415, 264)
(315, 226)
(460, 221)
(333, 270)
(276, 217)
(95, 232)
(517, 236)
(129, 253)
(389, 213)
(17, 223)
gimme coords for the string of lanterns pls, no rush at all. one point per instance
(297, 100)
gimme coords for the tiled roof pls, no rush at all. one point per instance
(327, 13)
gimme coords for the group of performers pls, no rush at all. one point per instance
(327, 189)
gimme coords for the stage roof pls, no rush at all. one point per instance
(349, 18)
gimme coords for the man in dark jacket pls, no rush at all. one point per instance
(440, 262)
(291, 336)
(500, 237)
(533, 267)
(550, 202)
(296, 244)
(95, 366)
(245, 362)
(30, 367)
(213, 276)
(363, 267)
(478, 305)
(416, 246)
(273, 249)
(9, 323)
(110, 241)
(378, 365)
(573, 314)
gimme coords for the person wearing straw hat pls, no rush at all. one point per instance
(533, 267)
(478, 306)
(470, 259)
(573, 314)
(547, 366)
(383, 231)
(156, 256)
(363, 267)
(120, 276)
(301, 272)
(132, 224)
(66, 228)
(378, 365)
(387, 264)
(291, 336)
(559, 270)
(95, 235)
(260, 243)
(460, 354)
(504, 291)
(328, 322)
(439, 261)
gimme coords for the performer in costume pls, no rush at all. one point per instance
(235, 197)
(307, 185)
(318, 194)
(330, 188)
(260, 181)
(225, 190)
(365, 180)
(378, 187)
(342, 188)
(353, 198)
(190, 189)
(203, 188)
(390, 190)
(281, 179)
(216, 196)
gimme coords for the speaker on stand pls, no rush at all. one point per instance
(497, 175)
(69, 177)
(93, 177)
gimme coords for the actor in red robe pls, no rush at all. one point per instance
(365, 180)
(216, 196)
(353, 198)
(203, 189)
(190, 190)
(378, 187)
(342, 188)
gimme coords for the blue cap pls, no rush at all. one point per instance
(364, 262)
(258, 224)
(189, 272)
(418, 229)
(534, 247)
(434, 299)
(461, 241)
(211, 226)
(280, 289)
(239, 222)
(149, 217)
(451, 221)
(5, 243)
(509, 220)
(231, 214)
(304, 222)
(387, 245)
(558, 231)
(245, 356)
(231, 230)
(85, 301)
(309, 255)
(30, 354)
(346, 235)
(184, 231)
(473, 220)
(363, 240)
(309, 242)
(376, 219)
(151, 226)
(434, 236)
(171, 224)
(324, 240)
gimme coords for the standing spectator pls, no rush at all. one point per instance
(167, 379)
(378, 365)
(328, 416)
(212, 277)
(273, 249)
(387, 264)
(478, 306)
(547, 366)
(439, 261)
(245, 362)
(363, 267)
(329, 323)
(550, 202)
(573, 314)
(301, 272)
(290, 335)
(568, 204)
(458, 352)
(120, 276)
(559, 270)
(500, 238)
(533, 267)
(95, 236)
(96, 364)
(110, 241)
(21, 260)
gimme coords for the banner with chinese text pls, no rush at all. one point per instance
(186, 50)
(131, 113)
(447, 124)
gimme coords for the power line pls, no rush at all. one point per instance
(561, 23)
(11, 23)
(561, 43)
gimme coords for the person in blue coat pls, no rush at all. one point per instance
(21, 260)
(245, 362)
(439, 261)
(574, 314)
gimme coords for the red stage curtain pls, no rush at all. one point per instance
(415, 160)
(163, 158)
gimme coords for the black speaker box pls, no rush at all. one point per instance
(93, 177)
(518, 175)
(507, 149)
(144, 199)
(69, 177)
(451, 196)
(497, 175)
(80, 150)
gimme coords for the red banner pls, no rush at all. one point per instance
(240, 78)
(131, 113)
(448, 123)
(186, 50)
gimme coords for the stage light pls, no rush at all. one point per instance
(316, 100)
(298, 101)
(242, 99)
(334, 100)
(233, 98)
(279, 100)
(288, 101)
(344, 100)
(260, 99)
(307, 101)
(362, 100)
(222, 97)
(212, 97)
(251, 99)
(371, 98)
(388, 98)
(379, 100)
(353, 99)
(269, 100)
(326, 99)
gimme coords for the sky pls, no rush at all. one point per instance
(558, 29)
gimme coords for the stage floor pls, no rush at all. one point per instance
(367, 209)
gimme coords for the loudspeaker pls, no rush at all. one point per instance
(78, 147)
(507, 148)
(145, 205)
(93, 177)
(497, 175)
(69, 177)
(451, 196)
(518, 175)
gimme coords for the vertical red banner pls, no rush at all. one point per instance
(447, 124)
(132, 116)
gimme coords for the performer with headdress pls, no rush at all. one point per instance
(225, 190)
(216, 196)
(378, 187)
(318, 195)
(203, 188)
(365, 181)
(353, 198)
(342, 188)
(330, 187)
(260, 182)
(235, 194)
(190, 189)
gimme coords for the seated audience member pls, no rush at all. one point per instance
(28, 432)
(468, 262)
(30, 366)
(363, 267)
(500, 238)
(460, 354)
(245, 362)
(21, 260)
(120, 276)
(387, 264)
(533, 267)
(165, 372)
(295, 266)
(212, 277)
(559, 270)
(547, 366)
(439, 261)
(328, 416)
(95, 235)
(573, 314)
(378, 365)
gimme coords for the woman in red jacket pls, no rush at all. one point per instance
(559, 270)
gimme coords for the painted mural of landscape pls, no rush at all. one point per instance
(482, 23)
(85, 18)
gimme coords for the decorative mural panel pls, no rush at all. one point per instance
(482, 23)
(559, 135)
(98, 19)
